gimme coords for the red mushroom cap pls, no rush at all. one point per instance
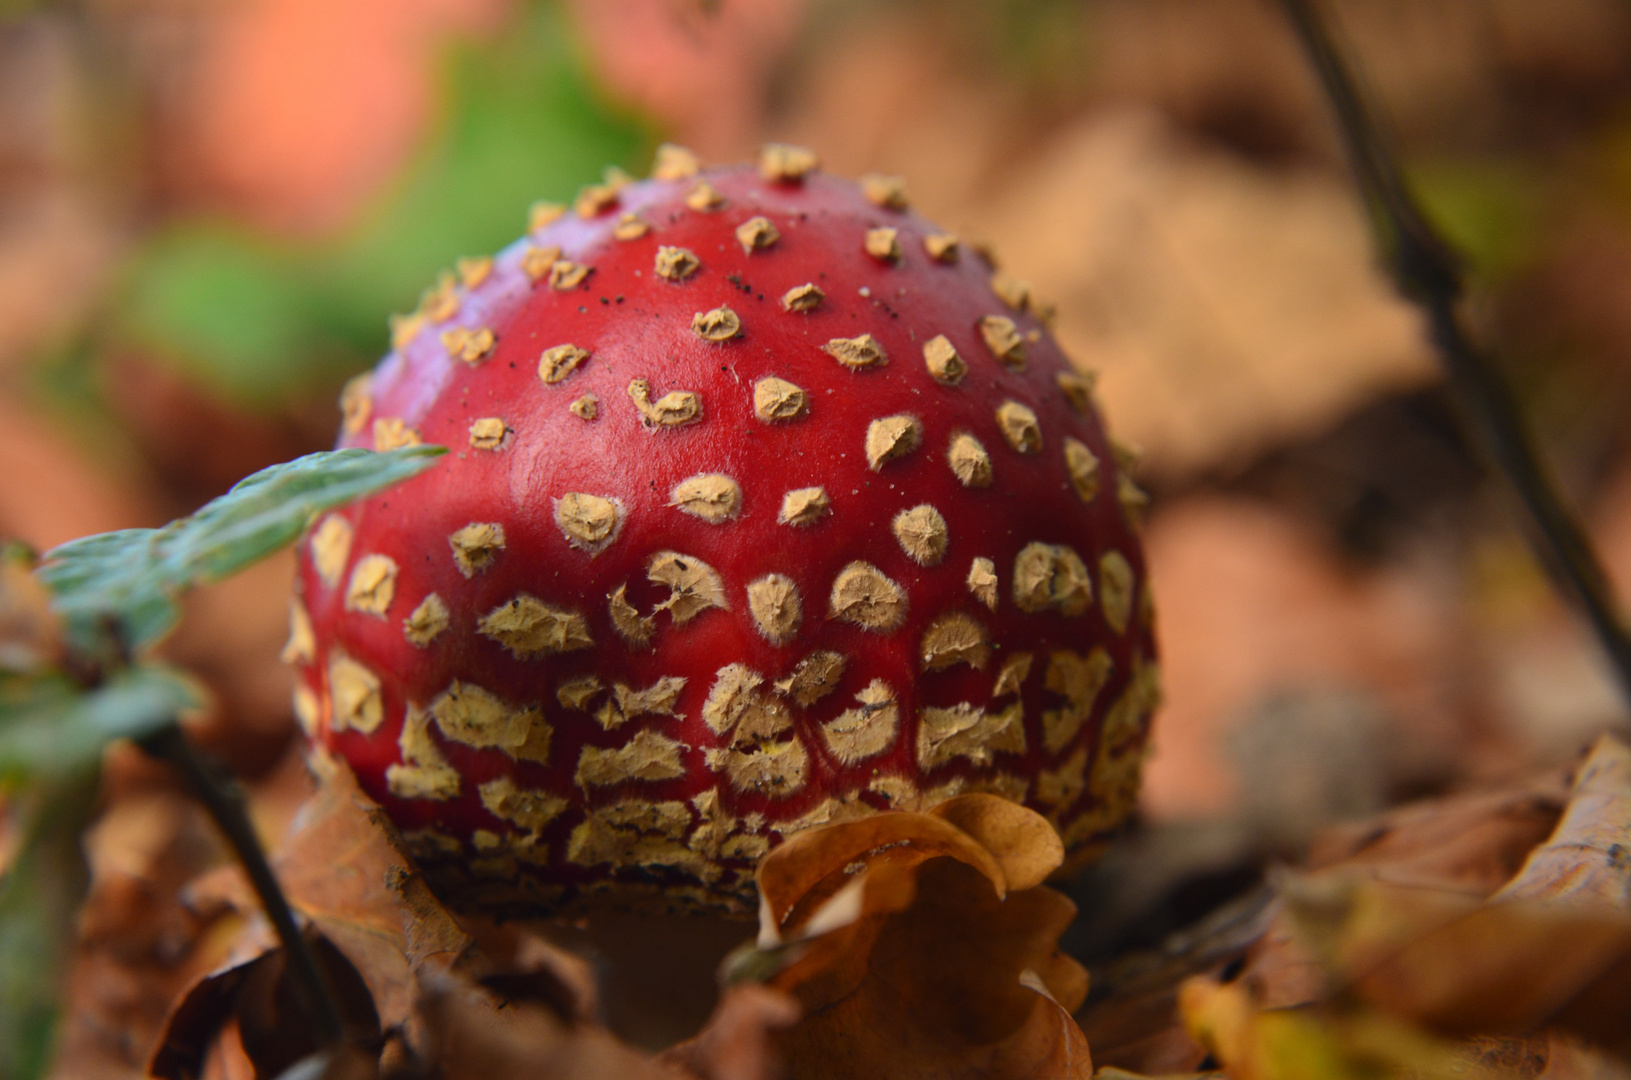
(770, 506)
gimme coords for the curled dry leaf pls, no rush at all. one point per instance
(1586, 860)
(1552, 949)
(256, 1000)
(923, 945)
(374, 925)
(340, 867)
(411, 983)
(1461, 848)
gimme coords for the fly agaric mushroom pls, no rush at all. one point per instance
(771, 506)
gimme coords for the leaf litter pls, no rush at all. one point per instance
(1481, 935)
(1477, 935)
(916, 945)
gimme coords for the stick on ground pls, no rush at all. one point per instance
(1428, 272)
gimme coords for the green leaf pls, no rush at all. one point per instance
(227, 308)
(1489, 210)
(52, 729)
(126, 583)
(40, 896)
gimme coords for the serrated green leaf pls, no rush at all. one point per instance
(126, 583)
(52, 729)
(40, 895)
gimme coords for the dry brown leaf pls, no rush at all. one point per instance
(1464, 967)
(1551, 949)
(341, 869)
(1026, 847)
(1588, 857)
(1464, 846)
(140, 945)
(1472, 843)
(1461, 846)
(372, 920)
(256, 1000)
(818, 863)
(911, 956)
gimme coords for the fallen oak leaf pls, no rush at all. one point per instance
(939, 995)
(1024, 845)
(910, 954)
(823, 862)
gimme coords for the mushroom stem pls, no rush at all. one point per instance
(223, 798)
(1427, 270)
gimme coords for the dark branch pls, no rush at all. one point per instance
(1428, 272)
(223, 798)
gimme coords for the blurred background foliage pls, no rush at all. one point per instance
(259, 318)
(208, 209)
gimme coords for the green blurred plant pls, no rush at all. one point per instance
(76, 673)
(258, 319)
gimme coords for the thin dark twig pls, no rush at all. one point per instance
(223, 798)
(1428, 272)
